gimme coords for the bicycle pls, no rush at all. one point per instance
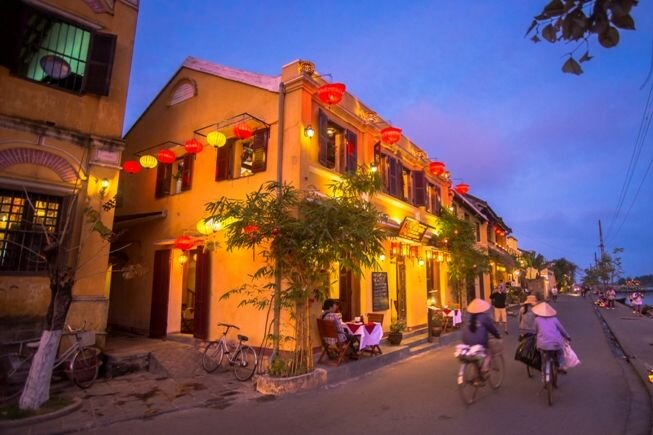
(82, 361)
(549, 372)
(243, 358)
(470, 378)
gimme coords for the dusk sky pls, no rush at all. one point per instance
(549, 151)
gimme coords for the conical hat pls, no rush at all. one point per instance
(531, 299)
(544, 310)
(477, 306)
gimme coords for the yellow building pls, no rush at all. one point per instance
(64, 71)
(241, 118)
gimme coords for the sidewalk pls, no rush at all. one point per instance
(178, 382)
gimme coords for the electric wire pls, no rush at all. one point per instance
(634, 200)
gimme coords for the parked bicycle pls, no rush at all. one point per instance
(81, 360)
(470, 377)
(549, 372)
(242, 358)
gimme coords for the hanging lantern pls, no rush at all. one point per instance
(184, 243)
(390, 135)
(193, 146)
(394, 249)
(436, 168)
(166, 156)
(204, 227)
(462, 188)
(243, 131)
(413, 251)
(331, 93)
(148, 161)
(132, 167)
(183, 259)
(405, 250)
(250, 229)
(429, 254)
(216, 139)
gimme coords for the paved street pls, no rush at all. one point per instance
(419, 396)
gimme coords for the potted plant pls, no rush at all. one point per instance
(396, 332)
(436, 323)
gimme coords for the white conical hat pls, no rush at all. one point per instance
(477, 306)
(544, 310)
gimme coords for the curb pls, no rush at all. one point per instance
(8, 424)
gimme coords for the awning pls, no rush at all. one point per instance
(137, 218)
(501, 257)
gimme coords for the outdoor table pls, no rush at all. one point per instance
(369, 334)
(452, 317)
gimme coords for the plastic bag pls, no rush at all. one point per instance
(570, 357)
(528, 354)
(469, 353)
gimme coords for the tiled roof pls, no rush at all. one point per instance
(254, 79)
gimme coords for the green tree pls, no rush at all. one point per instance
(304, 235)
(577, 21)
(564, 272)
(460, 240)
(533, 261)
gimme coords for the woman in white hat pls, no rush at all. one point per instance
(551, 334)
(479, 327)
(527, 317)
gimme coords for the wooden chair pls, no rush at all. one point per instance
(329, 339)
(375, 317)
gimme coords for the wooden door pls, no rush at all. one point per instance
(202, 293)
(160, 294)
(401, 289)
(345, 294)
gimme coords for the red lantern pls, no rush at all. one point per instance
(166, 156)
(331, 93)
(193, 146)
(462, 188)
(390, 135)
(250, 229)
(184, 243)
(436, 168)
(132, 167)
(243, 131)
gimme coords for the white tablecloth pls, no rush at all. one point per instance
(366, 337)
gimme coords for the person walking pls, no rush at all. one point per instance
(498, 298)
(554, 294)
(551, 335)
(479, 328)
(611, 295)
(637, 300)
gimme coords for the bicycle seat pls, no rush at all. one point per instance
(228, 325)
(242, 338)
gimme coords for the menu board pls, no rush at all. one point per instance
(412, 229)
(380, 300)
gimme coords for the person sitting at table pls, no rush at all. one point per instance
(330, 312)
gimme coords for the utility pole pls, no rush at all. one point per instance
(601, 245)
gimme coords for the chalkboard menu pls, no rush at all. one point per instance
(380, 301)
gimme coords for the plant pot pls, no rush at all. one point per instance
(394, 338)
(436, 331)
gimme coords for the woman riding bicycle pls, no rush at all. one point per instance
(551, 334)
(479, 327)
(526, 317)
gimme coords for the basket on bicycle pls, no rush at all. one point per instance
(86, 366)
(468, 353)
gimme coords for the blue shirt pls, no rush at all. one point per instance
(484, 327)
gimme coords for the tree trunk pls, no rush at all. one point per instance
(37, 387)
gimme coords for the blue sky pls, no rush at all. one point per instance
(549, 151)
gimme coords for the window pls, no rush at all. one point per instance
(42, 47)
(434, 204)
(338, 146)
(392, 173)
(183, 90)
(174, 178)
(419, 188)
(23, 227)
(242, 158)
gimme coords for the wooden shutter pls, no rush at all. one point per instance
(163, 179)
(100, 63)
(352, 151)
(160, 294)
(260, 150)
(202, 293)
(187, 174)
(394, 175)
(13, 15)
(437, 200)
(419, 188)
(223, 167)
(323, 138)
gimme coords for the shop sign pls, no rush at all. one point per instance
(412, 229)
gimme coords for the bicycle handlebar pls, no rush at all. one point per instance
(228, 325)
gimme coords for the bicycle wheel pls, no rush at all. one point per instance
(548, 381)
(212, 358)
(497, 366)
(468, 383)
(84, 367)
(14, 368)
(244, 363)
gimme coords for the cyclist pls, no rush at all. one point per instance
(478, 328)
(526, 317)
(550, 332)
